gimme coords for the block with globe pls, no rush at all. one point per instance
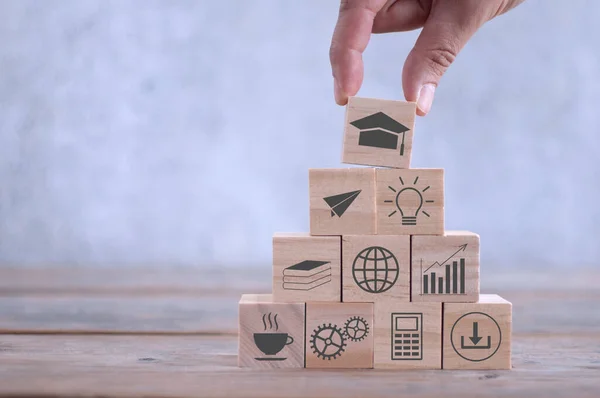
(306, 267)
(376, 268)
(342, 201)
(378, 132)
(271, 334)
(410, 201)
(445, 268)
(478, 335)
(408, 335)
(339, 335)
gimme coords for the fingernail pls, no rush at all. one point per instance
(425, 98)
(340, 98)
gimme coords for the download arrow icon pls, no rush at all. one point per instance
(475, 338)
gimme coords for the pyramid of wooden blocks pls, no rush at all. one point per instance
(377, 282)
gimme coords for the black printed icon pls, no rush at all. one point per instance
(271, 342)
(306, 275)
(453, 281)
(329, 341)
(340, 203)
(409, 202)
(356, 328)
(375, 269)
(475, 339)
(476, 336)
(407, 336)
(380, 131)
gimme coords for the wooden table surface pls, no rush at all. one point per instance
(172, 333)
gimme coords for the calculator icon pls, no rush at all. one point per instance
(407, 336)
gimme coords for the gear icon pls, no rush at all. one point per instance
(356, 328)
(328, 341)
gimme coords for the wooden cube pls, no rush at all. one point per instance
(445, 268)
(410, 201)
(342, 201)
(375, 268)
(271, 335)
(306, 268)
(339, 335)
(408, 335)
(478, 335)
(378, 132)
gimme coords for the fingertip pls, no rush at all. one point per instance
(341, 98)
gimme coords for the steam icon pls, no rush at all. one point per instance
(271, 342)
(409, 202)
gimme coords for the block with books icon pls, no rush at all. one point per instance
(377, 282)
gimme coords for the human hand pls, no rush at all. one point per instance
(447, 26)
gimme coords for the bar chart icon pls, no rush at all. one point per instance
(446, 277)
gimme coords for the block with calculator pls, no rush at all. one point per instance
(377, 282)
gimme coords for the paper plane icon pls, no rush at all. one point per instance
(340, 203)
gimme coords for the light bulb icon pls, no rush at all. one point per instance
(409, 201)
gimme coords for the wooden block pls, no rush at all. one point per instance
(339, 335)
(376, 268)
(478, 335)
(306, 268)
(271, 335)
(445, 268)
(410, 202)
(408, 335)
(378, 132)
(342, 201)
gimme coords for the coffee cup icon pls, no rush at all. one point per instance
(271, 344)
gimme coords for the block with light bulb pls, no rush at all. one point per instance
(410, 201)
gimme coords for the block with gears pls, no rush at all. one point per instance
(306, 267)
(375, 268)
(410, 201)
(342, 201)
(271, 335)
(378, 132)
(478, 335)
(445, 268)
(339, 335)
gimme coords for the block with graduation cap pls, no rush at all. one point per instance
(378, 132)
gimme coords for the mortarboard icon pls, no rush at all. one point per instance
(380, 131)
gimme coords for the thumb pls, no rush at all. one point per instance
(437, 46)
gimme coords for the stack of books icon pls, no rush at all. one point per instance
(306, 275)
(378, 282)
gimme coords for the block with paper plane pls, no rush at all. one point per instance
(378, 132)
(342, 201)
(306, 267)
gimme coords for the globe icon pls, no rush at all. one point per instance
(375, 269)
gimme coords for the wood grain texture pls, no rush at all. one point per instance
(408, 335)
(410, 201)
(271, 335)
(358, 217)
(358, 108)
(361, 282)
(323, 283)
(478, 335)
(339, 335)
(454, 257)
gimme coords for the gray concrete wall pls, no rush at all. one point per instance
(180, 132)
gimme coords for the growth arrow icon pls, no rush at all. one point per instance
(475, 338)
(460, 248)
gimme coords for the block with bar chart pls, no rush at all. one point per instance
(445, 268)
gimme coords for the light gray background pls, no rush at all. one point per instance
(180, 132)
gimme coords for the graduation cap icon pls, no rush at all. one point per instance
(380, 131)
(340, 203)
